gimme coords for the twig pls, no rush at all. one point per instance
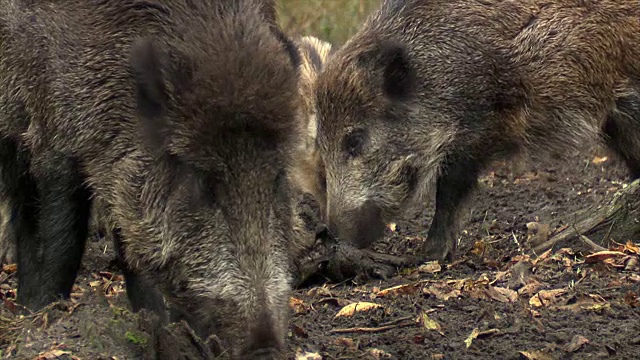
(396, 321)
(588, 241)
(370, 330)
(606, 237)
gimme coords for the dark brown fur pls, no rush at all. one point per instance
(433, 91)
(180, 117)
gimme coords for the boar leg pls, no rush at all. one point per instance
(141, 294)
(49, 261)
(20, 193)
(454, 186)
(7, 234)
(622, 130)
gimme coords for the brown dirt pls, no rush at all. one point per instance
(594, 313)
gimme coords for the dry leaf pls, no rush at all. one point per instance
(307, 355)
(429, 323)
(298, 305)
(352, 308)
(631, 299)
(501, 294)
(398, 290)
(536, 355)
(599, 160)
(632, 248)
(546, 297)
(10, 268)
(479, 248)
(437, 356)
(589, 302)
(299, 331)
(576, 343)
(346, 342)
(430, 267)
(392, 226)
(473, 335)
(603, 255)
(445, 290)
(378, 354)
(544, 256)
(52, 354)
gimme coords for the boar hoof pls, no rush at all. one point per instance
(348, 261)
(438, 250)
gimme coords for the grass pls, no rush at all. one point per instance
(330, 20)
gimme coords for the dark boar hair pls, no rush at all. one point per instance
(180, 117)
(430, 92)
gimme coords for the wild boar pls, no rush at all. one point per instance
(181, 118)
(431, 92)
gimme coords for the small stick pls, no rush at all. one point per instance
(370, 330)
(588, 241)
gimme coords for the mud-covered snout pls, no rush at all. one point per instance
(360, 226)
(266, 340)
(237, 336)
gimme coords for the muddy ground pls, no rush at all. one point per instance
(495, 302)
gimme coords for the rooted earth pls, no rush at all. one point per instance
(498, 300)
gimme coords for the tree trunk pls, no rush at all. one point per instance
(597, 227)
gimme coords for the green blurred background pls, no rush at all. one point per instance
(330, 20)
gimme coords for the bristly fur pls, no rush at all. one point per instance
(435, 90)
(181, 118)
(307, 174)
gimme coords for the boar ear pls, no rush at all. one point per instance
(398, 77)
(391, 61)
(151, 92)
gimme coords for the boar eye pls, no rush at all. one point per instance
(354, 142)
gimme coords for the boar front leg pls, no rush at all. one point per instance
(455, 184)
(141, 294)
(48, 262)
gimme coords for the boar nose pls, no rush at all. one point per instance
(360, 227)
(263, 341)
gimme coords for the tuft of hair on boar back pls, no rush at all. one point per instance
(181, 119)
(432, 92)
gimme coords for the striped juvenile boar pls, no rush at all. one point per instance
(430, 92)
(180, 117)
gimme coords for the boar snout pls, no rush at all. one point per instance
(361, 226)
(264, 342)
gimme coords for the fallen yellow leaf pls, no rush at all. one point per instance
(398, 290)
(392, 226)
(473, 335)
(429, 324)
(352, 308)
